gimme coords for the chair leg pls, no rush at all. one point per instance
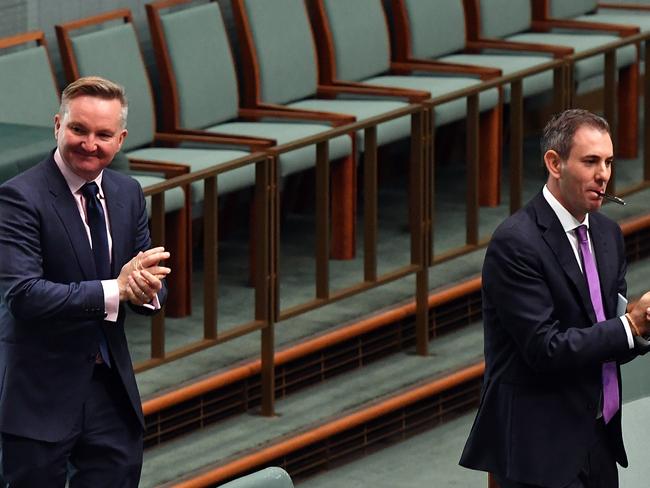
(179, 283)
(490, 148)
(628, 112)
(491, 481)
(343, 207)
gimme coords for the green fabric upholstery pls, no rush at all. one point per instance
(387, 132)
(509, 63)
(566, 10)
(639, 19)
(23, 146)
(198, 159)
(27, 92)
(635, 435)
(285, 49)
(360, 37)
(174, 198)
(114, 53)
(203, 65)
(437, 28)
(495, 24)
(292, 161)
(438, 31)
(272, 477)
(440, 85)
(585, 68)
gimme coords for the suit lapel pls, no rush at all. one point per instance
(555, 237)
(66, 208)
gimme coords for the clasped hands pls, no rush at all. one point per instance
(141, 278)
(639, 316)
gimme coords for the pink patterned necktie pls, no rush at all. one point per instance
(610, 377)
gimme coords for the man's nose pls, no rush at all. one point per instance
(603, 171)
(88, 143)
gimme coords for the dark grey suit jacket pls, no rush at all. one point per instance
(52, 304)
(544, 349)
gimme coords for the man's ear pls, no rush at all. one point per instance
(57, 125)
(552, 162)
(120, 138)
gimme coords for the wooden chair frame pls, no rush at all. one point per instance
(344, 196)
(627, 133)
(490, 122)
(178, 234)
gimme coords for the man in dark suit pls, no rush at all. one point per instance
(555, 328)
(74, 248)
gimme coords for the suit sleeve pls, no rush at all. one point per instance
(526, 301)
(27, 294)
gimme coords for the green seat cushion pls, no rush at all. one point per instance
(585, 68)
(298, 159)
(174, 198)
(198, 159)
(438, 86)
(637, 18)
(508, 64)
(387, 132)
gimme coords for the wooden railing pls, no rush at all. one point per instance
(268, 311)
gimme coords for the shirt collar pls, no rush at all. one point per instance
(74, 181)
(568, 221)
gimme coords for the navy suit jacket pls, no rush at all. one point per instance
(544, 350)
(52, 304)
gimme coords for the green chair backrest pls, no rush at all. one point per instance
(272, 477)
(27, 90)
(285, 49)
(437, 28)
(567, 9)
(114, 53)
(496, 24)
(360, 37)
(202, 64)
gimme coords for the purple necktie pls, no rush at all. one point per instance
(610, 377)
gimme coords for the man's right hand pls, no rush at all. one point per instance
(148, 260)
(640, 315)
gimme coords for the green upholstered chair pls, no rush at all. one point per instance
(354, 43)
(426, 30)
(591, 11)
(106, 45)
(272, 477)
(635, 435)
(280, 69)
(29, 99)
(200, 92)
(487, 22)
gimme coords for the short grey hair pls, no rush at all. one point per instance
(95, 86)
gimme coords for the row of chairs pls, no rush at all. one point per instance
(306, 65)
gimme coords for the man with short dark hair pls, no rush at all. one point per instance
(555, 325)
(74, 248)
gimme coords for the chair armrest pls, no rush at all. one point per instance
(432, 66)
(295, 114)
(354, 88)
(169, 169)
(556, 51)
(625, 6)
(186, 135)
(618, 29)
